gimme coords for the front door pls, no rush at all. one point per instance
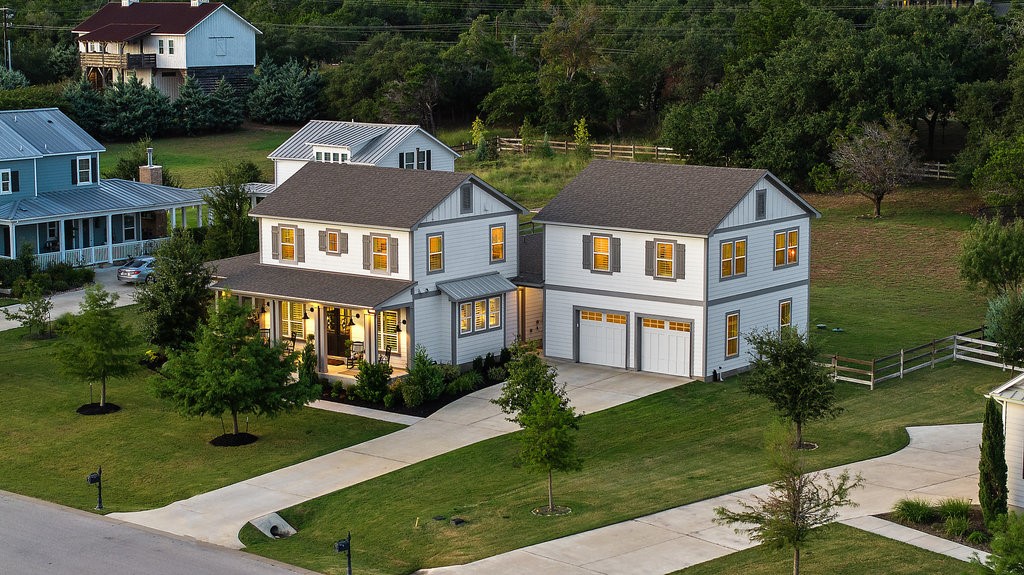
(337, 333)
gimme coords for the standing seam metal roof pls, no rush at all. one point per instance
(111, 195)
(378, 140)
(476, 287)
(47, 130)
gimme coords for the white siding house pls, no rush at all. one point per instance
(664, 268)
(383, 260)
(1011, 397)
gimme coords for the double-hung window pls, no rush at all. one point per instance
(6, 182)
(787, 248)
(435, 253)
(160, 46)
(380, 253)
(785, 313)
(734, 258)
(602, 254)
(129, 227)
(497, 243)
(732, 334)
(292, 324)
(480, 315)
(83, 169)
(407, 160)
(170, 46)
(422, 159)
(288, 244)
(387, 331)
(466, 318)
(665, 260)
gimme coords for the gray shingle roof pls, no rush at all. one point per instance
(245, 275)
(109, 196)
(476, 287)
(42, 132)
(361, 195)
(368, 143)
(667, 198)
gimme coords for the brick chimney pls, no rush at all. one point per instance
(150, 174)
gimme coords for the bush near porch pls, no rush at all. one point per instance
(150, 455)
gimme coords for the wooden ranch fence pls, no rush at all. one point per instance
(629, 152)
(964, 346)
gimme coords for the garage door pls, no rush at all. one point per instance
(665, 346)
(602, 338)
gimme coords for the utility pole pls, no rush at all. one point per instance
(8, 22)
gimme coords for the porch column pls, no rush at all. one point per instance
(60, 238)
(110, 238)
(318, 339)
(184, 218)
(174, 218)
(14, 240)
(370, 331)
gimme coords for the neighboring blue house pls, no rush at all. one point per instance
(53, 199)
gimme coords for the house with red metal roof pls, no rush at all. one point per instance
(161, 43)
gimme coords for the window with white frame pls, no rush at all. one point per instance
(380, 253)
(480, 315)
(160, 46)
(665, 259)
(51, 230)
(83, 168)
(785, 313)
(602, 254)
(407, 160)
(422, 159)
(387, 334)
(170, 46)
(734, 258)
(287, 243)
(6, 182)
(466, 318)
(497, 243)
(129, 227)
(787, 247)
(435, 253)
(292, 324)
(732, 334)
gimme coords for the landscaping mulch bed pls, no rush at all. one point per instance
(423, 410)
(97, 409)
(938, 529)
(233, 439)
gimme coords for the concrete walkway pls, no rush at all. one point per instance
(68, 302)
(217, 516)
(941, 461)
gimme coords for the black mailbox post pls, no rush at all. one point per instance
(346, 546)
(97, 480)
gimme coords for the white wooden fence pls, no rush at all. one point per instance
(99, 254)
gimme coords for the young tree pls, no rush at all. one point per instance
(992, 466)
(1004, 324)
(229, 369)
(34, 311)
(797, 501)
(232, 232)
(581, 135)
(309, 373)
(11, 80)
(175, 302)
(135, 110)
(97, 344)
(549, 437)
(1007, 557)
(528, 377)
(992, 257)
(784, 372)
(878, 160)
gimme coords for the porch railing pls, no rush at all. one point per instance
(99, 254)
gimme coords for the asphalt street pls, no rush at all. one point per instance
(40, 537)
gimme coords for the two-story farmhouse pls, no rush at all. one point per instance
(53, 200)
(404, 146)
(376, 261)
(664, 268)
(162, 42)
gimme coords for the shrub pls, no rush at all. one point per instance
(426, 375)
(978, 538)
(957, 527)
(43, 96)
(497, 374)
(338, 390)
(954, 507)
(449, 372)
(390, 398)
(372, 381)
(914, 511)
(10, 271)
(478, 364)
(62, 322)
(413, 393)
(465, 383)
(504, 356)
(489, 362)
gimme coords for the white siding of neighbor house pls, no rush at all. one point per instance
(175, 61)
(533, 328)
(284, 169)
(756, 312)
(441, 158)
(432, 323)
(239, 37)
(467, 250)
(1013, 417)
(350, 263)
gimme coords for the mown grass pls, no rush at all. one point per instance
(150, 455)
(196, 160)
(676, 447)
(6, 301)
(838, 550)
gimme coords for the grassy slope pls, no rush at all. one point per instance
(831, 555)
(150, 455)
(196, 160)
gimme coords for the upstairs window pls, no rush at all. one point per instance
(734, 258)
(82, 171)
(422, 159)
(761, 205)
(288, 244)
(7, 182)
(435, 253)
(407, 160)
(170, 46)
(380, 253)
(160, 46)
(602, 254)
(665, 255)
(664, 260)
(466, 199)
(497, 244)
(787, 248)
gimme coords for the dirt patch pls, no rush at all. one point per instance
(552, 511)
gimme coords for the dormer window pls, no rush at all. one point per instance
(331, 157)
(83, 171)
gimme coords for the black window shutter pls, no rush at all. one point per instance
(680, 261)
(466, 197)
(588, 251)
(275, 242)
(367, 253)
(649, 259)
(616, 254)
(74, 172)
(323, 240)
(428, 159)
(343, 243)
(300, 245)
(95, 168)
(393, 254)
(15, 181)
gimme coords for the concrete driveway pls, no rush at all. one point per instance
(217, 516)
(69, 302)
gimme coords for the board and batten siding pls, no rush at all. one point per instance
(484, 203)
(239, 41)
(26, 179)
(441, 158)
(284, 169)
(533, 318)
(350, 263)
(777, 206)
(175, 61)
(466, 250)
(1014, 430)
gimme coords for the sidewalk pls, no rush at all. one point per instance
(68, 302)
(217, 516)
(941, 461)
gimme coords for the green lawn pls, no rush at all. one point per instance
(6, 301)
(150, 455)
(841, 550)
(676, 447)
(196, 159)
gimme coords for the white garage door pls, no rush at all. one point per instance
(665, 346)
(602, 338)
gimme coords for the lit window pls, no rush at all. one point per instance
(292, 324)
(480, 323)
(288, 244)
(435, 253)
(497, 243)
(380, 253)
(333, 242)
(83, 166)
(602, 254)
(732, 335)
(387, 336)
(734, 258)
(494, 312)
(129, 227)
(480, 315)
(785, 313)
(591, 315)
(616, 318)
(466, 317)
(665, 261)
(6, 186)
(786, 247)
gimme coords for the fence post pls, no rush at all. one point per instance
(933, 354)
(901, 363)
(656, 150)
(956, 344)
(872, 377)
